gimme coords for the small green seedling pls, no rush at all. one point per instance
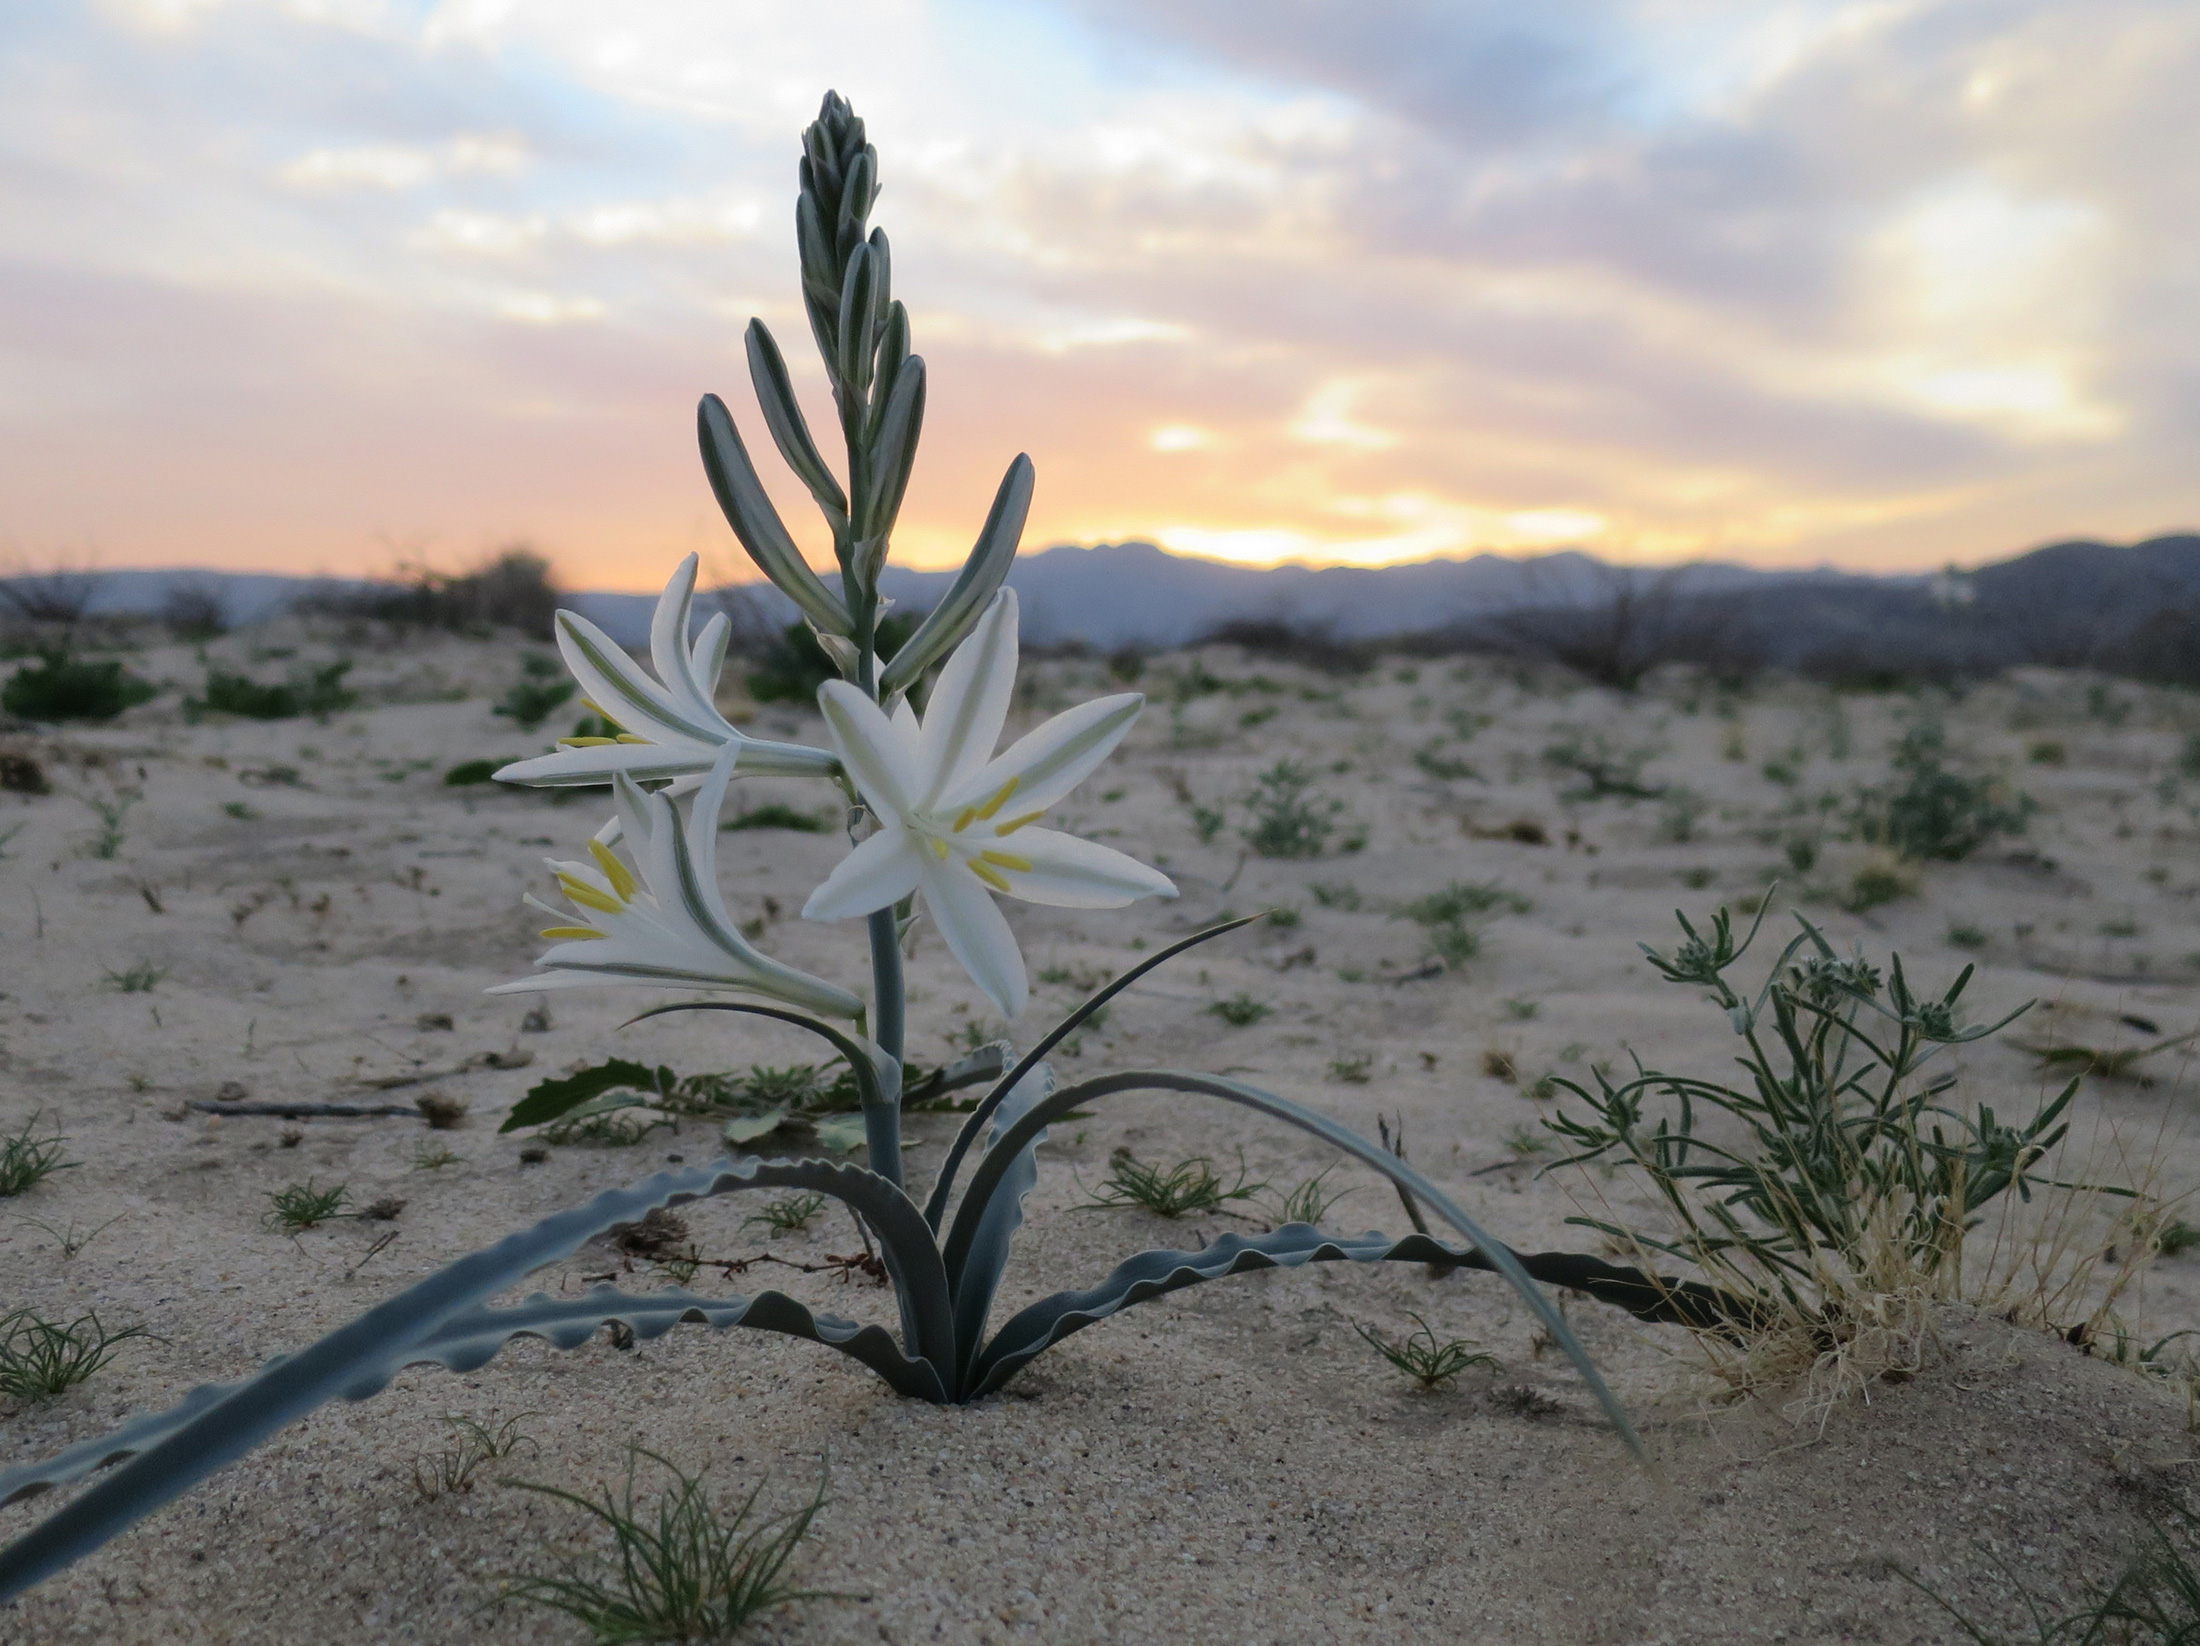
(1427, 1359)
(1352, 1071)
(40, 1358)
(789, 1216)
(1171, 1191)
(473, 1446)
(76, 1237)
(302, 1206)
(142, 978)
(1309, 1201)
(28, 1159)
(1241, 1011)
(430, 1157)
(679, 1570)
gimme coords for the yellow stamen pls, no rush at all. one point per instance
(1022, 865)
(992, 877)
(569, 931)
(621, 877)
(939, 849)
(1014, 824)
(585, 742)
(588, 897)
(629, 737)
(987, 810)
(595, 708)
(969, 815)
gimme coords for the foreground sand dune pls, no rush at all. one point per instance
(323, 912)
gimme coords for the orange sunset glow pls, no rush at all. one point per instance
(314, 285)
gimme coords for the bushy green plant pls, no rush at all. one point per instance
(1843, 1168)
(61, 687)
(536, 695)
(40, 1358)
(776, 815)
(678, 1569)
(29, 1156)
(1170, 1191)
(1932, 811)
(317, 691)
(1288, 816)
(1605, 769)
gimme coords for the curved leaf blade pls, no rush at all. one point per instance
(1034, 1330)
(986, 1180)
(973, 1285)
(935, 1206)
(355, 1360)
(878, 1074)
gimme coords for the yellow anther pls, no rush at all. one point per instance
(987, 810)
(992, 877)
(939, 848)
(629, 737)
(585, 742)
(595, 708)
(570, 931)
(969, 816)
(588, 897)
(1022, 865)
(1014, 824)
(621, 877)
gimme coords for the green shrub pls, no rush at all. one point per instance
(61, 687)
(316, 691)
(536, 695)
(777, 816)
(1934, 812)
(1288, 818)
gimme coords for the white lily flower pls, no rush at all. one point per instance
(662, 921)
(672, 728)
(955, 819)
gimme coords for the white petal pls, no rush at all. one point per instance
(707, 658)
(905, 719)
(976, 931)
(882, 870)
(872, 749)
(963, 720)
(668, 647)
(609, 679)
(1050, 760)
(637, 826)
(1069, 873)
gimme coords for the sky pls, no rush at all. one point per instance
(328, 285)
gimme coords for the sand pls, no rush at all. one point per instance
(1227, 1464)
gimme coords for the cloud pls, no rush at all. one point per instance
(1887, 282)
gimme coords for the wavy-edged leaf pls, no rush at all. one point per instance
(974, 586)
(1034, 1330)
(445, 1313)
(747, 1128)
(790, 430)
(935, 1205)
(549, 1100)
(877, 1074)
(749, 511)
(999, 1159)
(972, 1286)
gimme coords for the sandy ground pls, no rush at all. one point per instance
(1228, 1464)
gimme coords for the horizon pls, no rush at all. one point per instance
(315, 289)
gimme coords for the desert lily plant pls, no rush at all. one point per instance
(934, 811)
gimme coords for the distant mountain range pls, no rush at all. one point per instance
(2078, 602)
